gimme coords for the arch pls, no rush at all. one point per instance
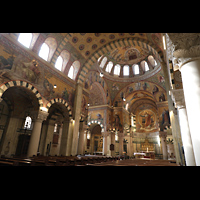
(105, 49)
(96, 122)
(21, 83)
(59, 100)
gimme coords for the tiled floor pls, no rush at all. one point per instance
(137, 162)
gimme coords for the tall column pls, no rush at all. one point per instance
(77, 112)
(187, 60)
(174, 122)
(38, 118)
(178, 97)
(121, 138)
(81, 138)
(112, 135)
(63, 143)
(163, 136)
(105, 145)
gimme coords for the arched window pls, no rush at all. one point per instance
(109, 66)
(152, 61)
(27, 124)
(103, 62)
(136, 69)
(65, 56)
(44, 51)
(73, 71)
(126, 70)
(59, 63)
(25, 39)
(117, 69)
(144, 66)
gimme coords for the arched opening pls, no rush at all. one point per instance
(94, 140)
(54, 130)
(18, 107)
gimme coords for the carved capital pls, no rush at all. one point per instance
(184, 47)
(39, 115)
(162, 134)
(178, 98)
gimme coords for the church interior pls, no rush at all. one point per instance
(99, 98)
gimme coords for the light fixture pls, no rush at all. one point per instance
(101, 74)
(88, 104)
(55, 86)
(124, 99)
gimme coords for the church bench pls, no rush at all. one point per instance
(16, 161)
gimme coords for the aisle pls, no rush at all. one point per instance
(137, 162)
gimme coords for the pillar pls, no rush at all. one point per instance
(179, 99)
(112, 136)
(35, 135)
(121, 138)
(163, 136)
(77, 112)
(82, 131)
(172, 112)
(186, 53)
(63, 143)
(105, 144)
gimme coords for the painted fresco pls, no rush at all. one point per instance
(140, 90)
(93, 76)
(17, 64)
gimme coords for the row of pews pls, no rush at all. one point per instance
(55, 160)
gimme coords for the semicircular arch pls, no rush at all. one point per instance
(59, 100)
(20, 83)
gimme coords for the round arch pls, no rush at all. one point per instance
(96, 122)
(24, 84)
(59, 100)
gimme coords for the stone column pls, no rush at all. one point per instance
(163, 136)
(38, 118)
(178, 97)
(174, 123)
(186, 54)
(105, 134)
(121, 138)
(112, 135)
(63, 143)
(77, 111)
(81, 138)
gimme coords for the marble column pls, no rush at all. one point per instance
(63, 143)
(179, 99)
(163, 136)
(82, 132)
(105, 144)
(38, 118)
(112, 136)
(77, 111)
(121, 138)
(186, 54)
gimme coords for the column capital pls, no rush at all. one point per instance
(185, 47)
(162, 134)
(39, 115)
(178, 98)
(105, 134)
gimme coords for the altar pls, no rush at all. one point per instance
(145, 154)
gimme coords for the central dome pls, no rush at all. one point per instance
(128, 63)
